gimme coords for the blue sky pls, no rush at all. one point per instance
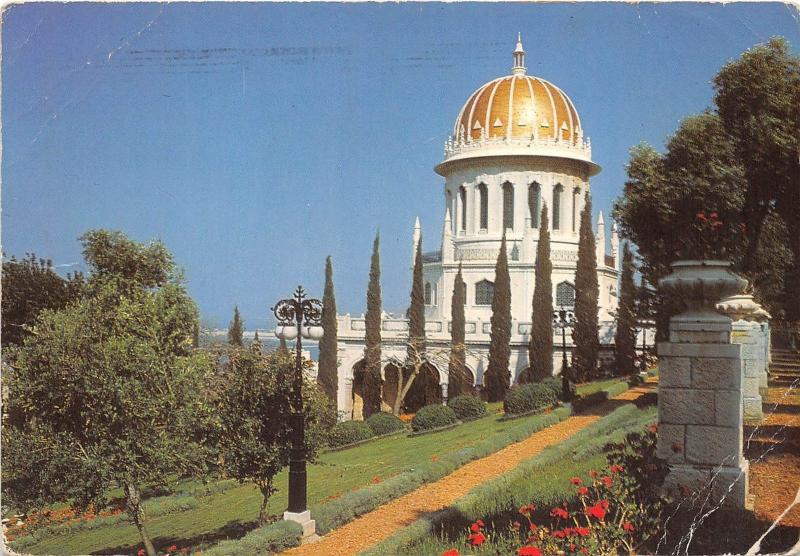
(255, 139)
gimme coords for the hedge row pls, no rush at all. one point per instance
(384, 423)
(275, 537)
(582, 402)
(518, 486)
(349, 432)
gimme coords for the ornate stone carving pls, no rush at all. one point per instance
(701, 284)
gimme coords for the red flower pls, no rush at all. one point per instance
(575, 480)
(713, 215)
(376, 480)
(529, 551)
(603, 504)
(532, 527)
(593, 474)
(582, 531)
(616, 468)
(141, 552)
(172, 548)
(559, 534)
(559, 512)
(480, 522)
(451, 552)
(717, 224)
(476, 527)
(677, 447)
(527, 508)
(701, 216)
(584, 550)
(476, 539)
(607, 481)
(627, 526)
(596, 511)
(583, 491)
(653, 428)
(517, 525)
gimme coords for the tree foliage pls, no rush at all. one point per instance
(457, 367)
(328, 346)
(236, 329)
(498, 375)
(585, 333)
(31, 285)
(105, 391)
(255, 425)
(372, 381)
(625, 335)
(414, 380)
(540, 348)
(738, 161)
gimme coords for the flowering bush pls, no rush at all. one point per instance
(614, 511)
(710, 235)
(17, 527)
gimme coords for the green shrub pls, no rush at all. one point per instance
(384, 423)
(554, 383)
(433, 417)
(529, 398)
(467, 408)
(349, 432)
(272, 538)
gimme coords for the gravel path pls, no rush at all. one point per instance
(377, 525)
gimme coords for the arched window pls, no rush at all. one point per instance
(576, 193)
(428, 294)
(508, 206)
(462, 198)
(534, 203)
(565, 295)
(483, 194)
(484, 292)
(557, 191)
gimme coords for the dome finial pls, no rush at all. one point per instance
(519, 57)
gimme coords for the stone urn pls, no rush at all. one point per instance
(742, 307)
(701, 285)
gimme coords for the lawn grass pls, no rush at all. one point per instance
(334, 474)
(588, 388)
(543, 480)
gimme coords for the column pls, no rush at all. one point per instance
(700, 402)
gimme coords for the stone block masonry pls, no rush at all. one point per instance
(700, 410)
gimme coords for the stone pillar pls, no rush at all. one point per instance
(748, 331)
(700, 402)
(444, 386)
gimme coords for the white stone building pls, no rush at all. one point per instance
(516, 143)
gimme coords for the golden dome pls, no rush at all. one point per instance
(518, 106)
(517, 115)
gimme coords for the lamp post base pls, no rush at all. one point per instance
(304, 519)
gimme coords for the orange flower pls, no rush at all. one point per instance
(529, 551)
(451, 552)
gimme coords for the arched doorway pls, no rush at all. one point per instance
(425, 390)
(390, 385)
(358, 391)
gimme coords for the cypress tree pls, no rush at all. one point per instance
(457, 370)
(587, 291)
(497, 375)
(625, 336)
(236, 329)
(256, 345)
(328, 345)
(196, 334)
(540, 348)
(422, 387)
(372, 336)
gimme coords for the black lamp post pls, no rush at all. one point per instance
(299, 318)
(564, 319)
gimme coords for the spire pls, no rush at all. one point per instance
(415, 238)
(615, 243)
(519, 58)
(447, 238)
(600, 241)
